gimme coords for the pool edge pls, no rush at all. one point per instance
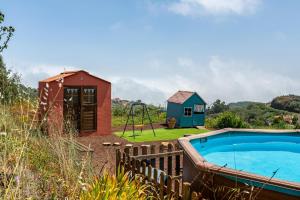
(199, 162)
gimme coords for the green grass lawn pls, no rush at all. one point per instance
(161, 134)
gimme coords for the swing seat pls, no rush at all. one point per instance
(141, 126)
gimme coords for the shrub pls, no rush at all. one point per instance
(297, 126)
(226, 120)
(117, 187)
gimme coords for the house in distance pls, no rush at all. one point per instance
(77, 99)
(188, 108)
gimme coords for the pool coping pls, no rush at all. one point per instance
(200, 162)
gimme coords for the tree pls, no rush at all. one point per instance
(6, 32)
(218, 107)
(9, 82)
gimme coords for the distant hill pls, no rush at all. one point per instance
(289, 103)
(242, 104)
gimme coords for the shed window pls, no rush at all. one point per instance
(187, 112)
(198, 108)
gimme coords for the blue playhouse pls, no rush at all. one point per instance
(188, 108)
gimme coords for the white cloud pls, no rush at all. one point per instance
(130, 89)
(227, 79)
(31, 74)
(214, 7)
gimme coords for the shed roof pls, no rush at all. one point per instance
(181, 96)
(67, 74)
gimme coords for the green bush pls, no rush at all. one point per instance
(226, 120)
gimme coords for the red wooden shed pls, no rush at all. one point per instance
(78, 99)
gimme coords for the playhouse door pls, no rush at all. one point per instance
(72, 108)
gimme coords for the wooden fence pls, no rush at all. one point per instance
(160, 167)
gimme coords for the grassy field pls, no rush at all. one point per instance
(161, 134)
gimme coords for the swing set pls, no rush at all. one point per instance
(131, 115)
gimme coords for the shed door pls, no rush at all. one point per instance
(89, 109)
(72, 108)
(80, 108)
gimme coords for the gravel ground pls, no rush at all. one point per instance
(105, 156)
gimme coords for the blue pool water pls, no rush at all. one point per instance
(257, 153)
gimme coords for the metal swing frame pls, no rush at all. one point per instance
(131, 115)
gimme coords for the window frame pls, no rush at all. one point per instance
(187, 108)
(201, 112)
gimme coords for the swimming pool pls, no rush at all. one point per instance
(258, 156)
(268, 155)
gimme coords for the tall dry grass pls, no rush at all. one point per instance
(34, 165)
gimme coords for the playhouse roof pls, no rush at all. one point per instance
(67, 74)
(181, 96)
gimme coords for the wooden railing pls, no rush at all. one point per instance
(159, 167)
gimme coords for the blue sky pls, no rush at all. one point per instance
(229, 49)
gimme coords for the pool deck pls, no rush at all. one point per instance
(194, 161)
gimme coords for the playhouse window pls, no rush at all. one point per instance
(188, 112)
(198, 108)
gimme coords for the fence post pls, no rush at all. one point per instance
(186, 191)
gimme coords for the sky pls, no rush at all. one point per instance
(234, 50)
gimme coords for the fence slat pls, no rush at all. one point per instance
(138, 167)
(153, 160)
(118, 160)
(177, 165)
(169, 187)
(133, 168)
(144, 151)
(155, 176)
(149, 173)
(195, 196)
(144, 169)
(161, 186)
(127, 150)
(186, 191)
(170, 159)
(176, 189)
(135, 151)
(161, 159)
